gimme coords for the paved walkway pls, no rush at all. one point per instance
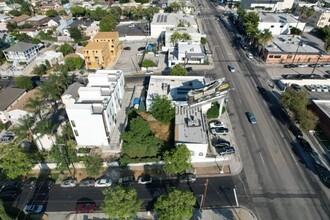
(215, 214)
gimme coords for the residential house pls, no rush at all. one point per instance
(8, 98)
(279, 23)
(93, 29)
(62, 29)
(20, 20)
(71, 94)
(21, 52)
(32, 32)
(103, 48)
(54, 22)
(3, 22)
(53, 58)
(274, 5)
(162, 21)
(186, 53)
(93, 114)
(293, 49)
(37, 21)
(5, 7)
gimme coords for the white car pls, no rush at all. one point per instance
(145, 180)
(33, 209)
(216, 124)
(139, 54)
(69, 183)
(149, 73)
(103, 183)
(249, 55)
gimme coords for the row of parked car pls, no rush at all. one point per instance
(302, 76)
(292, 65)
(221, 146)
(218, 128)
(318, 88)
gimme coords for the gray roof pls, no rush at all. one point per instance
(8, 96)
(56, 19)
(20, 47)
(73, 89)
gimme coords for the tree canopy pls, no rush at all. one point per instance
(178, 70)
(66, 49)
(3, 213)
(148, 63)
(51, 13)
(176, 205)
(177, 160)
(75, 33)
(108, 23)
(162, 109)
(121, 203)
(93, 164)
(24, 82)
(39, 70)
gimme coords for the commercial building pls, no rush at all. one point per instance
(274, 5)
(101, 50)
(21, 52)
(279, 23)
(186, 53)
(162, 21)
(293, 49)
(322, 109)
(94, 111)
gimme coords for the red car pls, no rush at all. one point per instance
(82, 207)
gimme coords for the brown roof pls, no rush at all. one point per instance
(19, 19)
(106, 35)
(96, 45)
(24, 100)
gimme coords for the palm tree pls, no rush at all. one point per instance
(309, 13)
(23, 130)
(175, 37)
(302, 11)
(265, 37)
(252, 32)
(185, 37)
(36, 104)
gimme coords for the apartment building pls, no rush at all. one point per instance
(93, 113)
(320, 17)
(101, 50)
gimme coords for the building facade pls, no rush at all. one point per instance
(37, 21)
(94, 112)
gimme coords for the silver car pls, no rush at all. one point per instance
(69, 183)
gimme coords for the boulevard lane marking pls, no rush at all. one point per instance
(262, 159)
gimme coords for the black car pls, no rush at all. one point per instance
(30, 183)
(323, 173)
(141, 48)
(187, 178)
(221, 143)
(296, 87)
(307, 147)
(290, 65)
(126, 180)
(12, 183)
(127, 48)
(226, 150)
(9, 193)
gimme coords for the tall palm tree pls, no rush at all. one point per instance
(252, 32)
(23, 130)
(264, 38)
(37, 104)
(175, 37)
(309, 13)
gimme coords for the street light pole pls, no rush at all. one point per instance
(204, 196)
(318, 59)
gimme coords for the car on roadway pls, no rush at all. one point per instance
(219, 131)
(249, 55)
(139, 54)
(216, 124)
(30, 183)
(46, 184)
(33, 209)
(127, 48)
(103, 182)
(302, 65)
(221, 143)
(85, 207)
(296, 87)
(231, 68)
(145, 179)
(187, 178)
(70, 182)
(87, 182)
(5, 77)
(305, 144)
(251, 117)
(149, 73)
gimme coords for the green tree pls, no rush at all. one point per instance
(203, 40)
(185, 37)
(294, 101)
(307, 120)
(126, 200)
(123, 1)
(66, 49)
(44, 127)
(241, 12)
(142, 1)
(264, 38)
(175, 37)
(295, 31)
(35, 41)
(14, 161)
(62, 13)
(39, 70)
(24, 82)
(37, 104)
(327, 43)
(51, 13)
(177, 160)
(3, 213)
(75, 34)
(63, 2)
(23, 37)
(176, 205)
(26, 8)
(78, 11)
(23, 130)
(162, 109)
(108, 23)
(15, 13)
(74, 63)
(64, 154)
(148, 63)
(97, 14)
(173, 8)
(93, 164)
(139, 141)
(11, 26)
(178, 70)
(181, 24)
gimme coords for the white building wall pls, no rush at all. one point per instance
(280, 28)
(16, 114)
(197, 151)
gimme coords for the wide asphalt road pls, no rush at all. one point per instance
(278, 180)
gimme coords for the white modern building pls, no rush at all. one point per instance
(191, 130)
(52, 57)
(186, 53)
(94, 112)
(279, 23)
(162, 21)
(273, 5)
(21, 52)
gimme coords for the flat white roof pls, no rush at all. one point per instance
(172, 19)
(190, 48)
(277, 18)
(189, 30)
(190, 126)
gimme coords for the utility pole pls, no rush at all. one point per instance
(204, 195)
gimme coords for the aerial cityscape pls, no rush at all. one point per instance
(164, 109)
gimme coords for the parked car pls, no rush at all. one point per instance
(70, 182)
(221, 143)
(249, 55)
(127, 180)
(145, 179)
(216, 124)
(9, 193)
(307, 147)
(6, 138)
(12, 183)
(127, 48)
(187, 178)
(103, 183)
(141, 49)
(325, 88)
(226, 150)
(87, 182)
(290, 65)
(323, 173)
(251, 117)
(85, 207)
(139, 54)
(231, 68)
(33, 209)
(315, 65)
(217, 131)
(296, 87)
(302, 65)
(131, 25)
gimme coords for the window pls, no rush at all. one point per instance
(73, 123)
(192, 153)
(76, 133)
(271, 56)
(200, 154)
(277, 56)
(272, 26)
(281, 26)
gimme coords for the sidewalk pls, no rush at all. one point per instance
(241, 213)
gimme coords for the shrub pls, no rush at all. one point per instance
(213, 112)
